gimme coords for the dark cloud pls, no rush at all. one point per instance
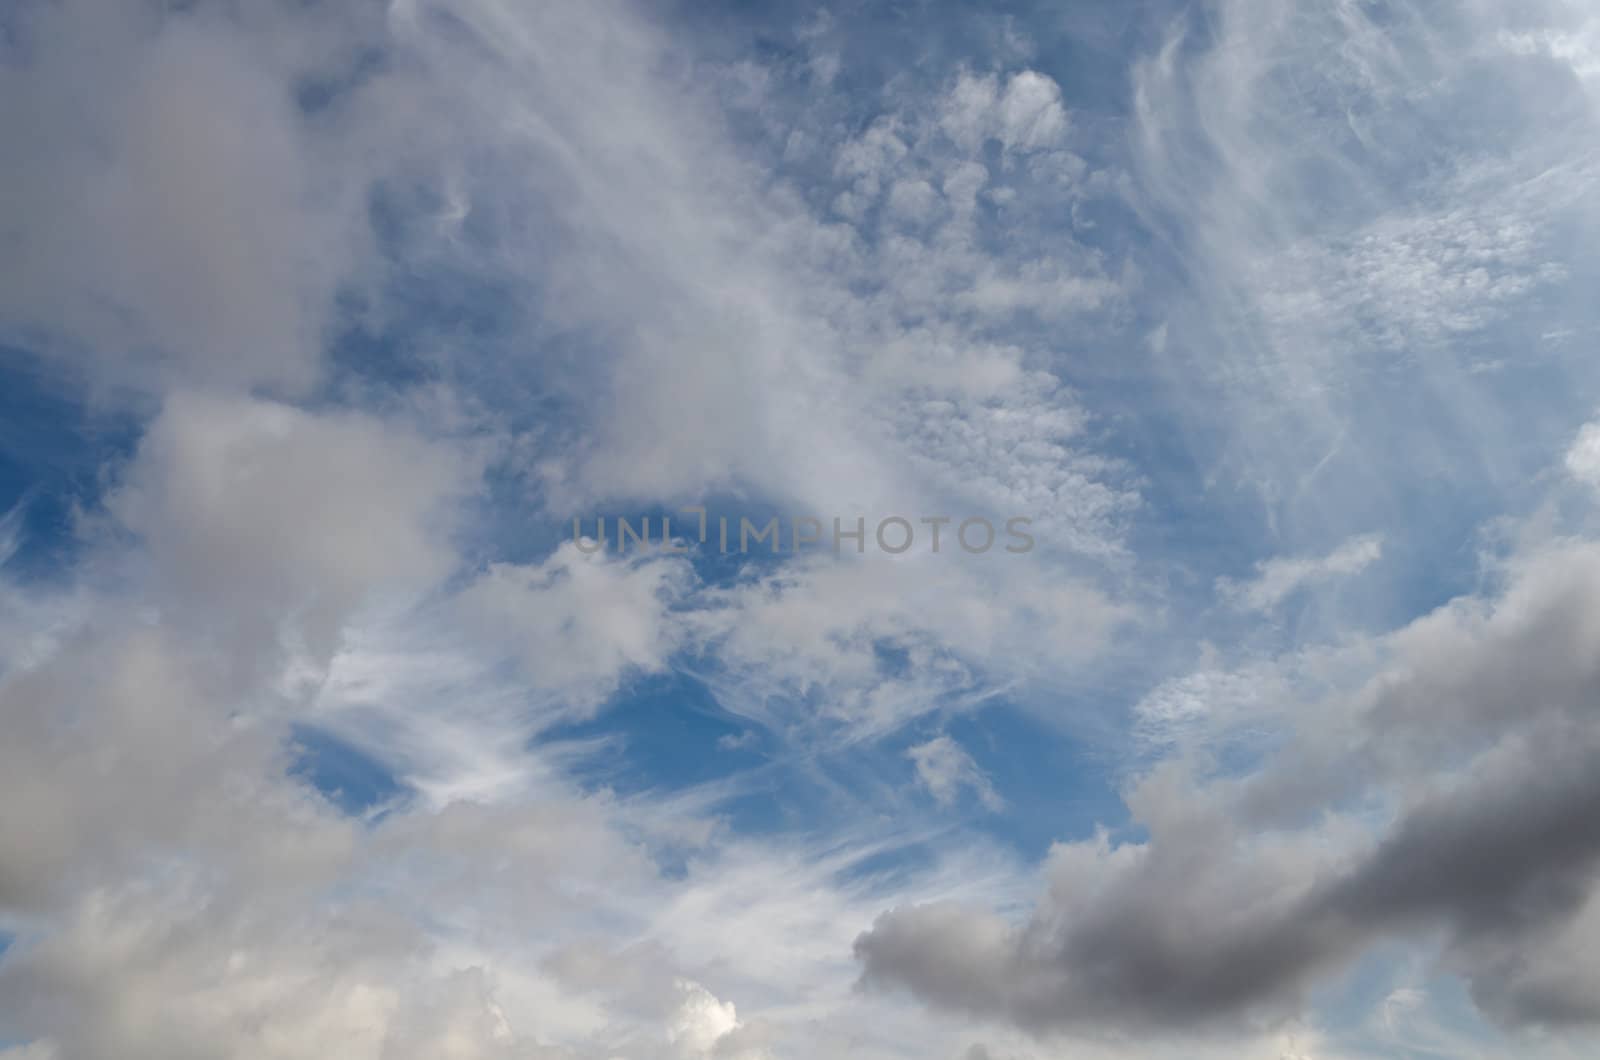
(1494, 841)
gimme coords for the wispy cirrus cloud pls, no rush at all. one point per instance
(1277, 578)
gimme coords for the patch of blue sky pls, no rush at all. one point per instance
(317, 91)
(348, 777)
(403, 327)
(664, 732)
(667, 735)
(55, 448)
(894, 864)
(1394, 1002)
(1054, 788)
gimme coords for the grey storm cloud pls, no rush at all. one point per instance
(1493, 842)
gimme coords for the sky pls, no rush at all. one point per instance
(340, 718)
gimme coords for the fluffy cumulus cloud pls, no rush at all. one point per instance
(155, 230)
(1263, 726)
(251, 509)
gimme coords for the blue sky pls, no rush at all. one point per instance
(323, 324)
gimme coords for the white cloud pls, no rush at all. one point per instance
(704, 1027)
(252, 508)
(967, 628)
(161, 234)
(1025, 115)
(1279, 577)
(944, 768)
(1371, 212)
(579, 624)
(1583, 457)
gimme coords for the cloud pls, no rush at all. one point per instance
(1026, 114)
(1360, 242)
(233, 981)
(11, 531)
(148, 697)
(944, 768)
(382, 297)
(1583, 458)
(156, 234)
(1278, 578)
(579, 624)
(821, 625)
(1488, 839)
(704, 1027)
(252, 508)
(259, 920)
